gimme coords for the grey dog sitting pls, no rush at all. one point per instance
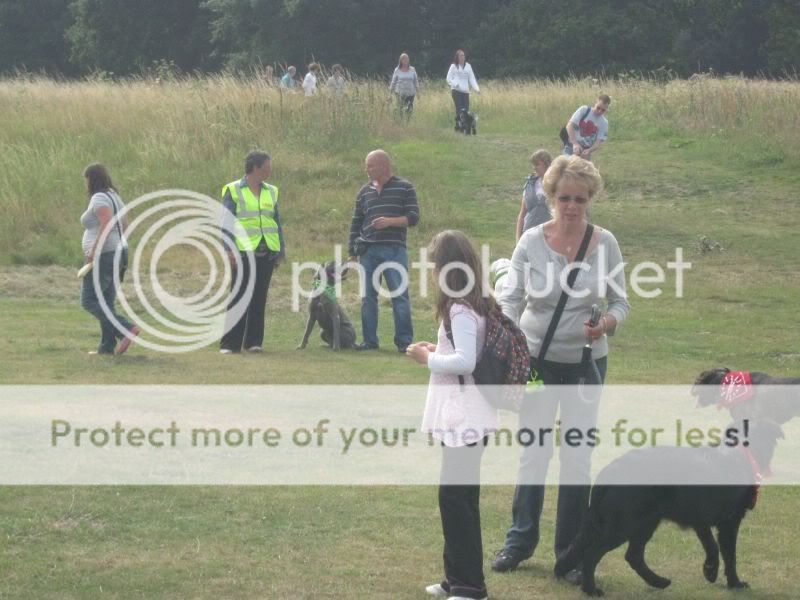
(336, 328)
(771, 402)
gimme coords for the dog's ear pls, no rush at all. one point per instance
(712, 376)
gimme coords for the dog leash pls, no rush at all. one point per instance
(758, 476)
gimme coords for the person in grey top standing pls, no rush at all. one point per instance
(103, 243)
(588, 128)
(534, 209)
(404, 85)
(531, 296)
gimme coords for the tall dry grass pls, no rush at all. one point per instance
(193, 133)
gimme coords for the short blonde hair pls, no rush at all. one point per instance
(541, 156)
(573, 168)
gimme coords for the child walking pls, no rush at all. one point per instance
(456, 414)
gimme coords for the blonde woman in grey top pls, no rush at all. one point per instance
(538, 268)
(405, 84)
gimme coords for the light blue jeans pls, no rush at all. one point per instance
(573, 500)
(371, 260)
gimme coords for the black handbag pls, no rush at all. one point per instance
(564, 134)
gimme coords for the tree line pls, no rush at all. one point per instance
(503, 38)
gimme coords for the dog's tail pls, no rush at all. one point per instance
(573, 557)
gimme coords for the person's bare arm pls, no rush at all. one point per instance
(521, 218)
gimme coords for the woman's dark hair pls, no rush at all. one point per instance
(455, 57)
(97, 179)
(452, 246)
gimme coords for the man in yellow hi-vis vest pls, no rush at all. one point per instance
(254, 243)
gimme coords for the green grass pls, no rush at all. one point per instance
(680, 165)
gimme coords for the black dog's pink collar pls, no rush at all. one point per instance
(736, 388)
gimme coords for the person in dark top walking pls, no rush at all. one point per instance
(385, 208)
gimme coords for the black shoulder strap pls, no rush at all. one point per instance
(562, 301)
(114, 206)
(586, 114)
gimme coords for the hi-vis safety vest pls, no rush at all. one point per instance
(255, 215)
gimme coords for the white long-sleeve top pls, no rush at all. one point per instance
(454, 415)
(461, 79)
(533, 287)
(310, 84)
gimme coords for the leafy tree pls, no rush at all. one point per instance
(782, 46)
(32, 36)
(125, 37)
(578, 37)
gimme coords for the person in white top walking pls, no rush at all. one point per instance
(310, 80)
(458, 416)
(461, 79)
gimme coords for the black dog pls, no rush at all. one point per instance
(466, 122)
(631, 513)
(337, 329)
(738, 392)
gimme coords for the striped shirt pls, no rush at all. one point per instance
(397, 199)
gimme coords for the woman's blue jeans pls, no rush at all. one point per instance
(560, 394)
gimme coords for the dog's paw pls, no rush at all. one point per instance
(660, 582)
(738, 585)
(710, 571)
(595, 592)
(301, 347)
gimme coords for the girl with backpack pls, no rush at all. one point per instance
(457, 415)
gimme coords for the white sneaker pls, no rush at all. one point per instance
(255, 349)
(465, 598)
(225, 351)
(436, 590)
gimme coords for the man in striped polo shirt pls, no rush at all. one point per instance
(385, 208)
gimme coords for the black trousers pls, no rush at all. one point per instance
(248, 330)
(459, 506)
(461, 100)
(406, 104)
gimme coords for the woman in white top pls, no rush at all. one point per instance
(457, 416)
(310, 80)
(461, 79)
(103, 244)
(535, 283)
(405, 85)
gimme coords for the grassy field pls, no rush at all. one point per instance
(714, 158)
